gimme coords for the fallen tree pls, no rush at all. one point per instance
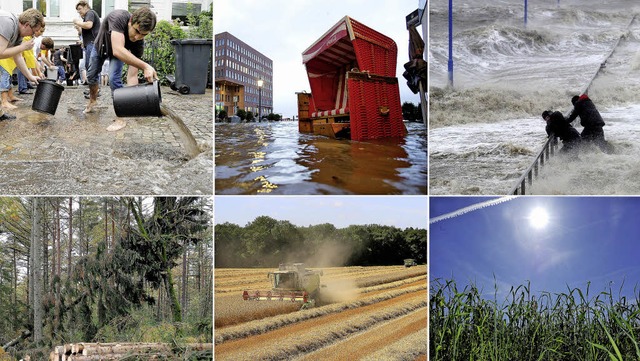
(24, 334)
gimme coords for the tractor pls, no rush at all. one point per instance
(291, 283)
(410, 262)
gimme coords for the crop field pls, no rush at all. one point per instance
(367, 313)
(572, 325)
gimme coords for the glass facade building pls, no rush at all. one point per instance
(238, 67)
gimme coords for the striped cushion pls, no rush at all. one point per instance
(341, 106)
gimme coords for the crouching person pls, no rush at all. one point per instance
(121, 40)
(558, 125)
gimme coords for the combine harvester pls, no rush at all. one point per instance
(291, 283)
(354, 88)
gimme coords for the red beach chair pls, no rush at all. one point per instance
(354, 91)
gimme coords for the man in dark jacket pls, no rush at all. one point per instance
(591, 120)
(560, 127)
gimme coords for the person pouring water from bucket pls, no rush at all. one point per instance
(121, 40)
(12, 29)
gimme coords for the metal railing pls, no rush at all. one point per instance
(548, 149)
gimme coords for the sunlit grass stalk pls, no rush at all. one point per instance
(572, 325)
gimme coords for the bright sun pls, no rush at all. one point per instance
(538, 218)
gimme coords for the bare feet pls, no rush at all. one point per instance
(117, 125)
(14, 99)
(8, 105)
(90, 106)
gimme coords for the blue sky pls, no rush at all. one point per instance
(282, 30)
(341, 211)
(593, 239)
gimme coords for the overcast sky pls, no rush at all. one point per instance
(593, 239)
(282, 30)
(341, 211)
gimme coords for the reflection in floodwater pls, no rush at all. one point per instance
(275, 158)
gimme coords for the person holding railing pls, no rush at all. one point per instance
(561, 128)
(591, 120)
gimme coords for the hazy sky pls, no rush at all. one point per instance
(593, 239)
(282, 30)
(341, 211)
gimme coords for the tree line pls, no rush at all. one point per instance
(266, 242)
(411, 112)
(75, 269)
(248, 116)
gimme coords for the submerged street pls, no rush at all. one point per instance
(73, 153)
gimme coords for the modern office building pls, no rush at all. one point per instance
(238, 71)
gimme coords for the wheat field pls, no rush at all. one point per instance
(368, 313)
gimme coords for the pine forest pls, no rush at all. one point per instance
(120, 277)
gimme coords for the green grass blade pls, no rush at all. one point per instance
(613, 343)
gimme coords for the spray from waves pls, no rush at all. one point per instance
(593, 173)
(635, 62)
(495, 40)
(577, 16)
(490, 105)
(471, 208)
(450, 107)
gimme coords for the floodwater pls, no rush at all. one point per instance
(487, 129)
(274, 158)
(189, 142)
(72, 153)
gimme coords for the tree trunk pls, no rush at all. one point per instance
(15, 286)
(81, 229)
(30, 269)
(37, 272)
(113, 226)
(199, 276)
(59, 245)
(23, 334)
(106, 225)
(70, 237)
(45, 249)
(173, 298)
(185, 277)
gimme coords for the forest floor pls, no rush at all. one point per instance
(73, 153)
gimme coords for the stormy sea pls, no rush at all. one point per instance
(487, 128)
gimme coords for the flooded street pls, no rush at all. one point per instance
(274, 158)
(72, 153)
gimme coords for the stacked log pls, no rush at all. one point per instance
(85, 351)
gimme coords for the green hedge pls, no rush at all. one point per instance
(158, 49)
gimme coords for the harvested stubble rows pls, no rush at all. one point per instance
(386, 318)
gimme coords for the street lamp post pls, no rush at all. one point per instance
(260, 82)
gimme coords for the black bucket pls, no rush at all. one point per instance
(76, 52)
(47, 96)
(138, 100)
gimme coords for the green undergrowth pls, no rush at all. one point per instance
(141, 325)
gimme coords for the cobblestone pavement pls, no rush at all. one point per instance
(71, 153)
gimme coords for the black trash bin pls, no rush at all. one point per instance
(192, 61)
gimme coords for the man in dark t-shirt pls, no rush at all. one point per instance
(90, 25)
(121, 40)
